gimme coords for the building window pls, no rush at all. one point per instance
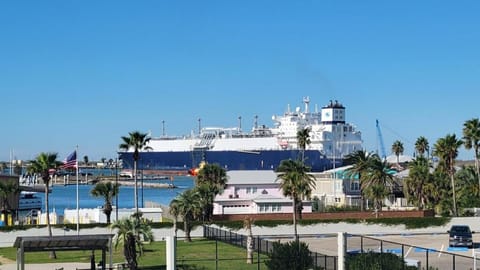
(248, 190)
(355, 186)
(254, 190)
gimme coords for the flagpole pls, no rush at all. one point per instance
(78, 211)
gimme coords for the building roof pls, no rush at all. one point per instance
(337, 173)
(77, 242)
(401, 159)
(251, 177)
(339, 169)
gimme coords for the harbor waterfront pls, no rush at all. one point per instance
(64, 196)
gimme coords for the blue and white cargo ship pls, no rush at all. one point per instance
(263, 148)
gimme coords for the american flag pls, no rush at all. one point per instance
(70, 161)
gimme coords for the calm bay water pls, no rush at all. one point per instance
(63, 197)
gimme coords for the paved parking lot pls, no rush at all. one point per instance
(431, 249)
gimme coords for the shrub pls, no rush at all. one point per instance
(334, 209)
(289, 256)
(376, 261)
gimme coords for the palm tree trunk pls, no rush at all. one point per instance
(250, 247)
(130, 252)
(53, 255)
(136, 190)
(248, 224)
(295, 218)
(299, 209)
(453, 195)
(186, 228)
(477, 167)
(362, 199)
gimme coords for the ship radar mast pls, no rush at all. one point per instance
(306, 100)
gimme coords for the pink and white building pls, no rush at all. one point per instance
(254, 192)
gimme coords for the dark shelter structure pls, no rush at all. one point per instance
(91, 242)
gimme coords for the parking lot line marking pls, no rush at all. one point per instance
(408, 251)
(441, 249)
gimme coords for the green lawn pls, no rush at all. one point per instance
(199, 254)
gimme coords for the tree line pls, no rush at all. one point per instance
(434, 181)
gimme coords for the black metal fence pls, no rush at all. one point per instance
(263, 246)
(415, 257)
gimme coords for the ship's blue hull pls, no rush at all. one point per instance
(230, 160)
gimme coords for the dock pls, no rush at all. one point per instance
(120, 181)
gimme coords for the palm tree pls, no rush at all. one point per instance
(138, 141)
(132, 233)
(85, 160)
(377, 174)
(360, 161)
(397, 149)
(418, 181)
(467, 187)
(17, 169)
(108, 191)
(446, 149)
(471, 139)
(421, 146)
(187, 205)
(210, 181)
(439, 192)
(42, 165)
(296, 183)
(377, 193)
(3, 166)
(7, 190)
(303, 139)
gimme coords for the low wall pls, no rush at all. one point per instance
(329, 215)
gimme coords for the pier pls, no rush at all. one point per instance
(120, 181)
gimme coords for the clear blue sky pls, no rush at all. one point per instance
(87, 72)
